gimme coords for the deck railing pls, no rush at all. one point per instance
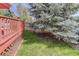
(10, 30)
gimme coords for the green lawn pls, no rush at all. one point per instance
(36, 46)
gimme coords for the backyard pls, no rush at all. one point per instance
(34, 45)
(39, 29)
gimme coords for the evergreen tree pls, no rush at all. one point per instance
(57, 18)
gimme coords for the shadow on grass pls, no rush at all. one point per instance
(31, 37)
(34, 45)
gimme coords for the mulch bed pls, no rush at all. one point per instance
(49, 35)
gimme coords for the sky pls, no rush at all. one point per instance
(76, 14)
(13, 8)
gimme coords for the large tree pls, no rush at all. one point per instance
(57, 17)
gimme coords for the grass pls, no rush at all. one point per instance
(36, 46)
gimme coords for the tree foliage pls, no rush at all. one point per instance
(23, 12)
(57, 17)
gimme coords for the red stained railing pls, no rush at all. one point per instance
(10, 30)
